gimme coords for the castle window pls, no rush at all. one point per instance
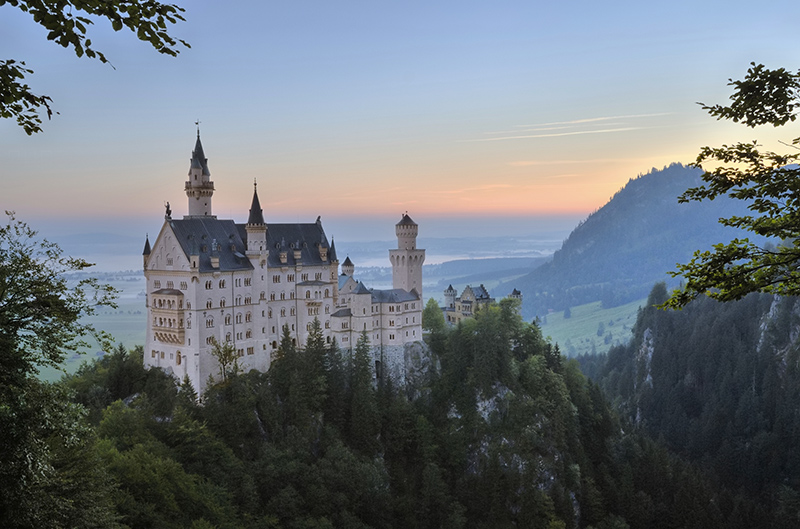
(221, 283)
(189, 305)
(328, 339)
(170, 284)
(291, 294)
(153, 353)
(156, 284)
(210, 340)
(283, 295)
(272, 296)
(413, 305)
(273, 329)
(291, 311)
(406, 306)
(209, 322)
(269, 312)
(247, 281)
(327, 309)
(274, 344)
(162, 355)
(239, 318)
(283, 313)
(248, 317)
(208, 285)
(290, 278)
(227, 319)
(248, 300)
(238, 300)
(304, 277)
(228, 337)
(238, 336)
(391, 323)
(250, 350)
(318, 276)
(276, 279)
(344, 325)
(178, 359)
(391, 336)
(391, 308)
(327, 325)
(238, 282)
(308, 294)
(263, 296)
(208, 304)
(327, 293)
(222, 302)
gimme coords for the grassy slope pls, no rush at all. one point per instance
(578, 334)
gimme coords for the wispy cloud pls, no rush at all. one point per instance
(557, 134)
(526, 163)
(574, 127)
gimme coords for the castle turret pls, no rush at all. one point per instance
(199, 188)
(348, 268)
(407, 260)
(256, 227)
(450, 297)
(146, 251)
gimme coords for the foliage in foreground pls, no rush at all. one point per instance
(768, 182)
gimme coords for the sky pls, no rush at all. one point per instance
(474, 117)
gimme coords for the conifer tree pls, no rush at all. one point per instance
(364, 416)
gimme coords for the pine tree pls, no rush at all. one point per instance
(364, 416)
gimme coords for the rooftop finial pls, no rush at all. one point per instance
(198, 127)
(255, 183)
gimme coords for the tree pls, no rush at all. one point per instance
(67, 23)
(767, 181)
(432, 317)
(42, 433)
(225, 353)
(364, 417)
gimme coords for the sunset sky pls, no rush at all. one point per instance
(366, 109)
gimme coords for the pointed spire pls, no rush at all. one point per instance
(256, 213)
(332, 252)
(146, 250)
(199, 160)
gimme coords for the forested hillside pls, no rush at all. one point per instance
(620, 251)
(505, 433)
(719, 384)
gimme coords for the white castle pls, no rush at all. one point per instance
(210, 279)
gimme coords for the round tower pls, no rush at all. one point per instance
(407, 259)
(199, 188)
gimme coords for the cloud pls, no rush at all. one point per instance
(557, 134)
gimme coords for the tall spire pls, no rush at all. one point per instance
(256, 213)
(199, 188)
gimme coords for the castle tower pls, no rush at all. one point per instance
(199, 187)
(450, 297)
(348, 268)
(407, 259)
(256, 227)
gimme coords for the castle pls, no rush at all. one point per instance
(211, 280)
(472, 299)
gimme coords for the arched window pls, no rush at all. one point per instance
(227, 319)
(178, 358)
(239, 318)
(248, 317)
(327, 292)
(228, 337)
(308, 294)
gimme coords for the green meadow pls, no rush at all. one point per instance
(591, 328)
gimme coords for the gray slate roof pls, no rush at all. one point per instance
(197, 234)
(342, 313)
(395, 295)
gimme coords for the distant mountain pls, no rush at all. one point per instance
(621, 250)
